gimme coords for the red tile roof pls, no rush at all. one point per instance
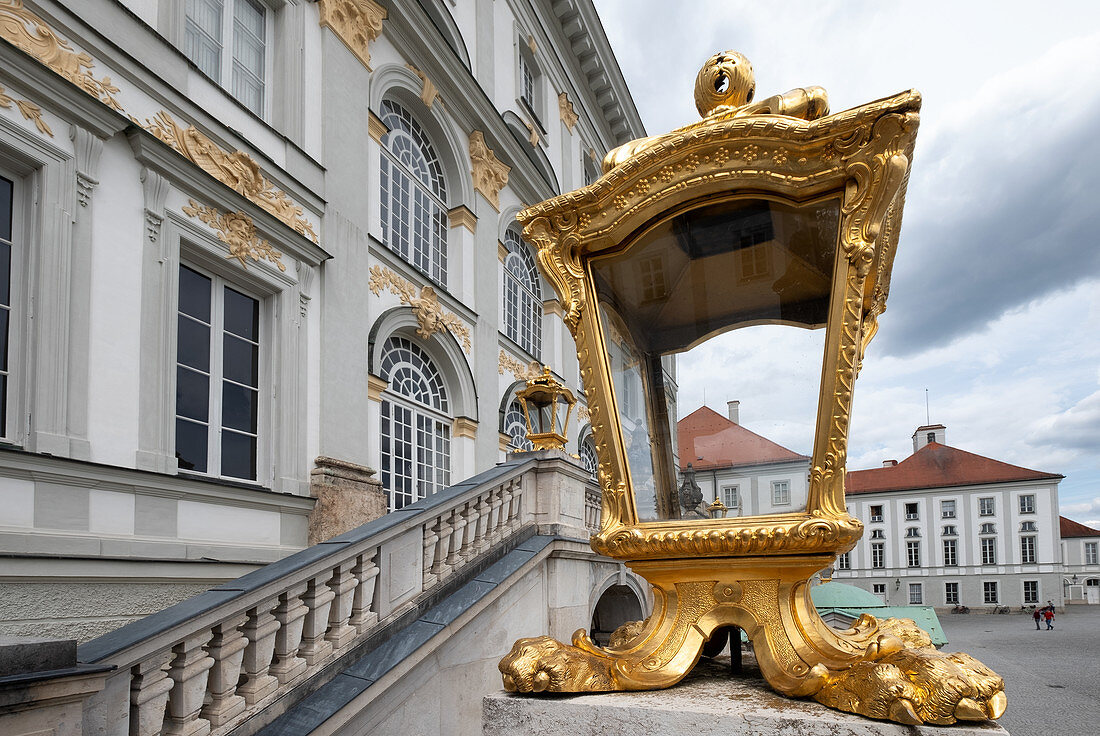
(709, 440)
(1071, 528)
(940, 466)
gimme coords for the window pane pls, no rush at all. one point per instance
(240, 361)
(204, 36)
(193, 343)
(4, 315)
(238, 455)
(7, 189)
(192, 394)
(191, 445)
(242, 315)
(238, 407)
(3, 405)
(194, 294)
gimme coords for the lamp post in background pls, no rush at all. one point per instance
(763, 213)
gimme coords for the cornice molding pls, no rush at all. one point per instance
(461, 215)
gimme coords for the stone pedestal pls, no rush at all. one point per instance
(43, 689)
(708, 702)
(347, 494)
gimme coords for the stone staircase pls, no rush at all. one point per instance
(326, 640)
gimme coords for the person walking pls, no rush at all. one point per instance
(1049, 616)
(1036, 614)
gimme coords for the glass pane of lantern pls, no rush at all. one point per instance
(743, 288)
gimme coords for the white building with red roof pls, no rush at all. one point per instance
(1081, 560)
(947, 527)
(748, 473)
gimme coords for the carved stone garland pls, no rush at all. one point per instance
(430, 315)
(238, 232)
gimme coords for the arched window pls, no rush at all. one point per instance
(589, 460)
(416, 426)
(522, 295)
(515, 426)
(414, 195)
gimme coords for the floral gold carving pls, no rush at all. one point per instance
(490, 175)
(238, 232)
(565, 108)
(29, 33)
(236, 170)
(430, 315)
(428, 92)
(355, 22)
(522, 371)
(583, 415)
(28, 110)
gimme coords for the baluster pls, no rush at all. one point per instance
(318, 598)
(494, 520)
(189, 671)
(363, 599)
(502, 513)
(260, 631)
(457, 523)
(483, 509)
(149, 688)
(343, 585)
(443, 531)
(430, 543)
(290, 613)
(469, 516)
(227, 648)
(516, 512)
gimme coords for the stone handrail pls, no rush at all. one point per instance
(214, 660)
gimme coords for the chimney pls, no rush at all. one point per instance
(889, 463)
(732, 407)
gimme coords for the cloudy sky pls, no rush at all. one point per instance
(995, 300)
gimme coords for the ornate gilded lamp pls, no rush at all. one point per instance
(646, 263)
(547, 407)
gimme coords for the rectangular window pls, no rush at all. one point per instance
(947, 509)
(781, 493)
(1091, 553)
(7, 237)
(986, 507)
(1027, 504)
(227, 41)
(876, 513)
(916, 594)
(730, 497)
(217, 377)
(879, 589)
(950, 553)
(911, 512)
(989, 591)
(989, 551)
(526, 82)
(912, 553)
(844, 561)
(878, 555)
(1031, 591)
(1027, 550)
(951, 593)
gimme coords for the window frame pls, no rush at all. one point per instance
(1029, 550)
(844, 561)
(781, 487)
(193, 257)
(951, 593)
(526, 333)
(945, 513)
(1029, 498)
(1034, 597)
(535, 106)
(733, 491)
(912, 554)
(227, 55)
(987, 506)
(1091, 553)
(950, 552)
(989, 550)
(990, 592)
(876, 518)
(918, 590)
(914, 514)
(25, 186)
(878, 555)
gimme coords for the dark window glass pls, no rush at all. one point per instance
(5, 273)
(242, 315)
(192, 394)
(240, 360)
(238, 455)
(193, 343)
(4, 339)
(6, 205)
(191, 445)
(238, 407)
(194, 294)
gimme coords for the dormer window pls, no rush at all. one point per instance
(988, 528)
(949, 530)
(1028, 526)
(912, 532)
(878, 534)
(931, 437)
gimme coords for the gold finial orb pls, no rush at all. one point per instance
(726, 80)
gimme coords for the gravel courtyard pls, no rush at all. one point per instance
(1052, 678)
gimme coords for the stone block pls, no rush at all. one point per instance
(20, 655)
(347, 496)
(708, 702)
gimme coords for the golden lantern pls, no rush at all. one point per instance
(646, 263)
(547, 407)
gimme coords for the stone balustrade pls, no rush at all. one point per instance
(592, 509)
(209, 663)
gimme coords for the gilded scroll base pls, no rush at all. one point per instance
(880, 669)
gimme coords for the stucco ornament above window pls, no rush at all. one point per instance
(238, 232)
(490, 175)
(355, 22)
(430, 314)
(28, 110)
(565, 109)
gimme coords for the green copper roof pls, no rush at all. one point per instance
(842, 595)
